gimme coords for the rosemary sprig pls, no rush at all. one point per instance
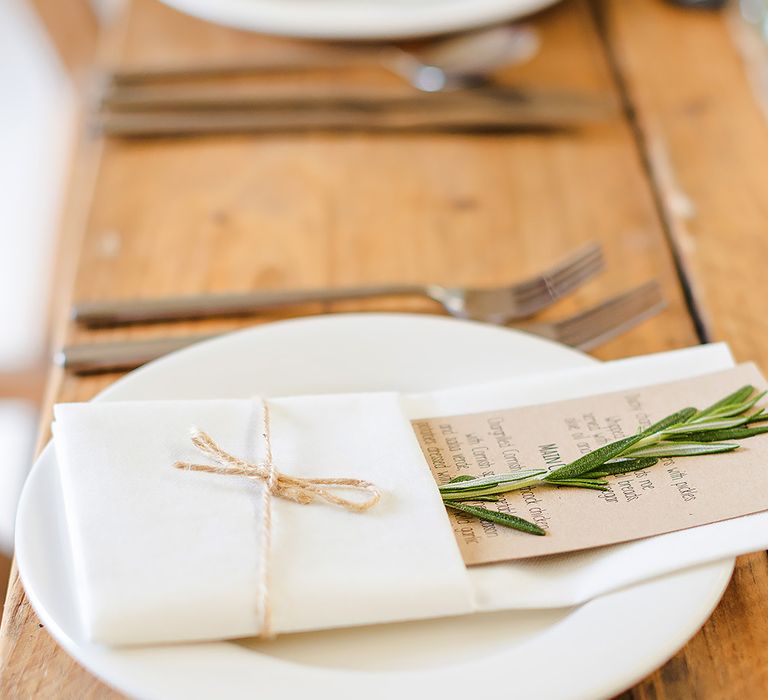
(495, 517)
(685, 433)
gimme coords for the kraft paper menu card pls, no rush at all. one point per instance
(674, 494)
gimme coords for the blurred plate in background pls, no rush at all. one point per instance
(357, 19)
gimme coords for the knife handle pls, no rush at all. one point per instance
(120, 356)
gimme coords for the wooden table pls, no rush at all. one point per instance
(675, 187)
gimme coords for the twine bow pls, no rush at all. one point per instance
(292, 488)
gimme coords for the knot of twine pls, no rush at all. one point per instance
(292, 488)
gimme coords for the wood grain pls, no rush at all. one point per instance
(706, 144)
(241, 213)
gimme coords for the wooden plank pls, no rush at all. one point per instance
(313, 209)
(706, 141)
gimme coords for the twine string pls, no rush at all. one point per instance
(276, 484)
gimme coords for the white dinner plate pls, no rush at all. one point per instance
(590, 651)
(357, 19)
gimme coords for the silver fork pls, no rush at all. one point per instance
(494, 305)
(598, 324)
(583, 330)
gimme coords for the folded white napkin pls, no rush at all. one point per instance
(163, 555)
(167, 555)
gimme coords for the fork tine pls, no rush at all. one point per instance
(587, 329)
(552, 287)
(578, 276)
(542, 281)
(610, 318)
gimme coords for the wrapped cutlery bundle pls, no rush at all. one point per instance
(284, 514)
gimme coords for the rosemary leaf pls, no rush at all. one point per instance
(583, 480)
(734, 399)
(717, 435)
(463, 483)
(739, 408)
(493, 516)
(760, 417)
(685, 449)
(711, 424)
(581, 483)
(622, 466)
(591, 461)
(471, 494)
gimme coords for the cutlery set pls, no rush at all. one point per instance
(507, 305)
(449, 87)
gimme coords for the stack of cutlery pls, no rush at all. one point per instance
(448, 86)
